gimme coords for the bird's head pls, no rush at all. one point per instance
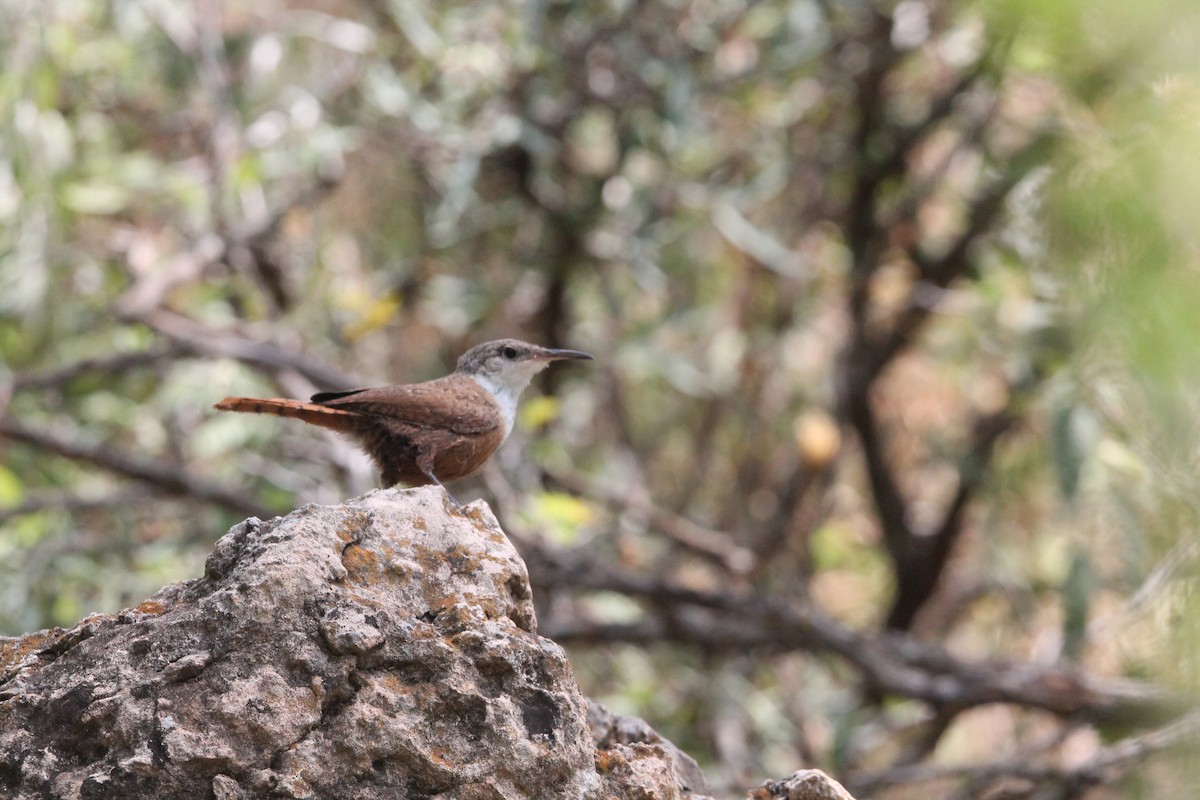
(506, 366)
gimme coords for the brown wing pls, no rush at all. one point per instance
(454, 403)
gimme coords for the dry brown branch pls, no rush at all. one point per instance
(891, 664)
(164, 476)
(118, 362)
(37, 502)
(921, 563)
(1034, 771)
(919, 560)
(202, 340)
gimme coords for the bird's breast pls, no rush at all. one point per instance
(505, 399)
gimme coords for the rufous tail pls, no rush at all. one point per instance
(312, 413)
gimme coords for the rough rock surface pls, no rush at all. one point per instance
(383, 648)
(626, 745)
(807, 784)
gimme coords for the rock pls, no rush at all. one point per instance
(629, 741)
(383, 648)
(808, 784)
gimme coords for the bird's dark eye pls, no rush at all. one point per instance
(509, 352)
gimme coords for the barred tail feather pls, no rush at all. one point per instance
(312, 413)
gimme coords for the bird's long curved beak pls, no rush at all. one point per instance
(551, 354)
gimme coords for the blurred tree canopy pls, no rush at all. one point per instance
(887, 464)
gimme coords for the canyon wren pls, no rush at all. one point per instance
(432, 432)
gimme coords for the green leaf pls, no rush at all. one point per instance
(563, 509)
(559, 515)
(12, 490)
(1072, 441)
(95, 198)
(1077, 596)
(539, 411)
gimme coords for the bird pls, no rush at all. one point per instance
(434, 432)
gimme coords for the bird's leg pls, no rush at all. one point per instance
(425, 464)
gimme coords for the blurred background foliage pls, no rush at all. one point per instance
(894, 308)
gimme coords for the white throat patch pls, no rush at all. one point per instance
(507, 390)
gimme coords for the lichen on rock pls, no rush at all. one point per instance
(386, 647)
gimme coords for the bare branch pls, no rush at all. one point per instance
(118, 362)
(893, 664)
(164, 476)
(1035, 768)
(920, 564)
(890, 504)
(65, 501)
(200, 339)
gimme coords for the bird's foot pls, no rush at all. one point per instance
(457, 506)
